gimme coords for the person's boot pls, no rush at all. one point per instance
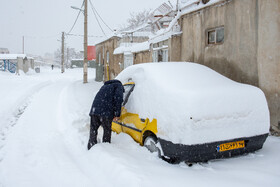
(90, 144)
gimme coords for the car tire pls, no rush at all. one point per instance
(150, 143)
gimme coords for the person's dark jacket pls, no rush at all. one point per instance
(108, 101)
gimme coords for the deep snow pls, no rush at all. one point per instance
(44, 132)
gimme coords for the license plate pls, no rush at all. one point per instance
(231, 146)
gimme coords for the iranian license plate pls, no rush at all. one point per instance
(231, 146)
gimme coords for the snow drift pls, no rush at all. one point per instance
(194, 104)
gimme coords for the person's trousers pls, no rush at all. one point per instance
(95, 122)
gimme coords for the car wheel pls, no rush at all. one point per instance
(151, 144)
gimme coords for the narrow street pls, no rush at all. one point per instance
(44, 137)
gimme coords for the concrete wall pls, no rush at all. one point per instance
(250, 51)
(142, 57)
(19, 64)
(26, 65)
(269, 57)
(119, 63)
(174, 48)
(236, 58)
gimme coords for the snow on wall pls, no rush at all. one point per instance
(194, 104)
(188, 6)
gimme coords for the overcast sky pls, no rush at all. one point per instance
(42, 21)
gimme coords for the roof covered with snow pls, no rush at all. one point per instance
(108, 37)
(11, 56)
(185, 7)
(132, 48)
(124, 47)
(144, 46)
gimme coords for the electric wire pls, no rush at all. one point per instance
(83, 35)
(97, 19)
(76, 18)
(100, 16)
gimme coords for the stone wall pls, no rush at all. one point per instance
(110, 72)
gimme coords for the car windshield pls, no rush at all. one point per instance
(128, 88)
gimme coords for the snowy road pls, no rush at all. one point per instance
(44, 132)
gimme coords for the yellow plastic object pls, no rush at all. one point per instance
(133, 125)
(128, 83)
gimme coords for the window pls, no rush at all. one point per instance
(211, 37)
(220, 35)
(128, 88)
(165, 55)
(215, 36)
(155, 56)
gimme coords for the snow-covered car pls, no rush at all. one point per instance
(188, 112)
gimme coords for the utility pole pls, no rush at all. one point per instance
(85, 43)
(67, 58)
(62, 53)
(22, 44)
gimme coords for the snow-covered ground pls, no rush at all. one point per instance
(44, 126)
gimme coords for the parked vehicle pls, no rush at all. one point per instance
(188, 112)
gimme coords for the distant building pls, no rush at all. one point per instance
(15, 62)
(4, 51)
(79, 63)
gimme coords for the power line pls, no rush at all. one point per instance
(35, 37)
(97, 18)
(70, 34)
(100, 17)
(76, 18)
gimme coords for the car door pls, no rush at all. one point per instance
(117, 126)
(130, 122)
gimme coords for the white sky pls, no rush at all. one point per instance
(42, 21)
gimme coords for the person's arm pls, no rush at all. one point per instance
(118, 99)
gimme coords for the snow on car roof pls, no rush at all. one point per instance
(194, 104)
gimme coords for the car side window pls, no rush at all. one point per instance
(128, 88)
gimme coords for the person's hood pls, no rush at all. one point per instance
(112, 82)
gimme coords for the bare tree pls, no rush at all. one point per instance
(138, 18)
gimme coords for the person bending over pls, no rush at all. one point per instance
(106, 107)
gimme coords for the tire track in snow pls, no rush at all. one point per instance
(15, 116)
